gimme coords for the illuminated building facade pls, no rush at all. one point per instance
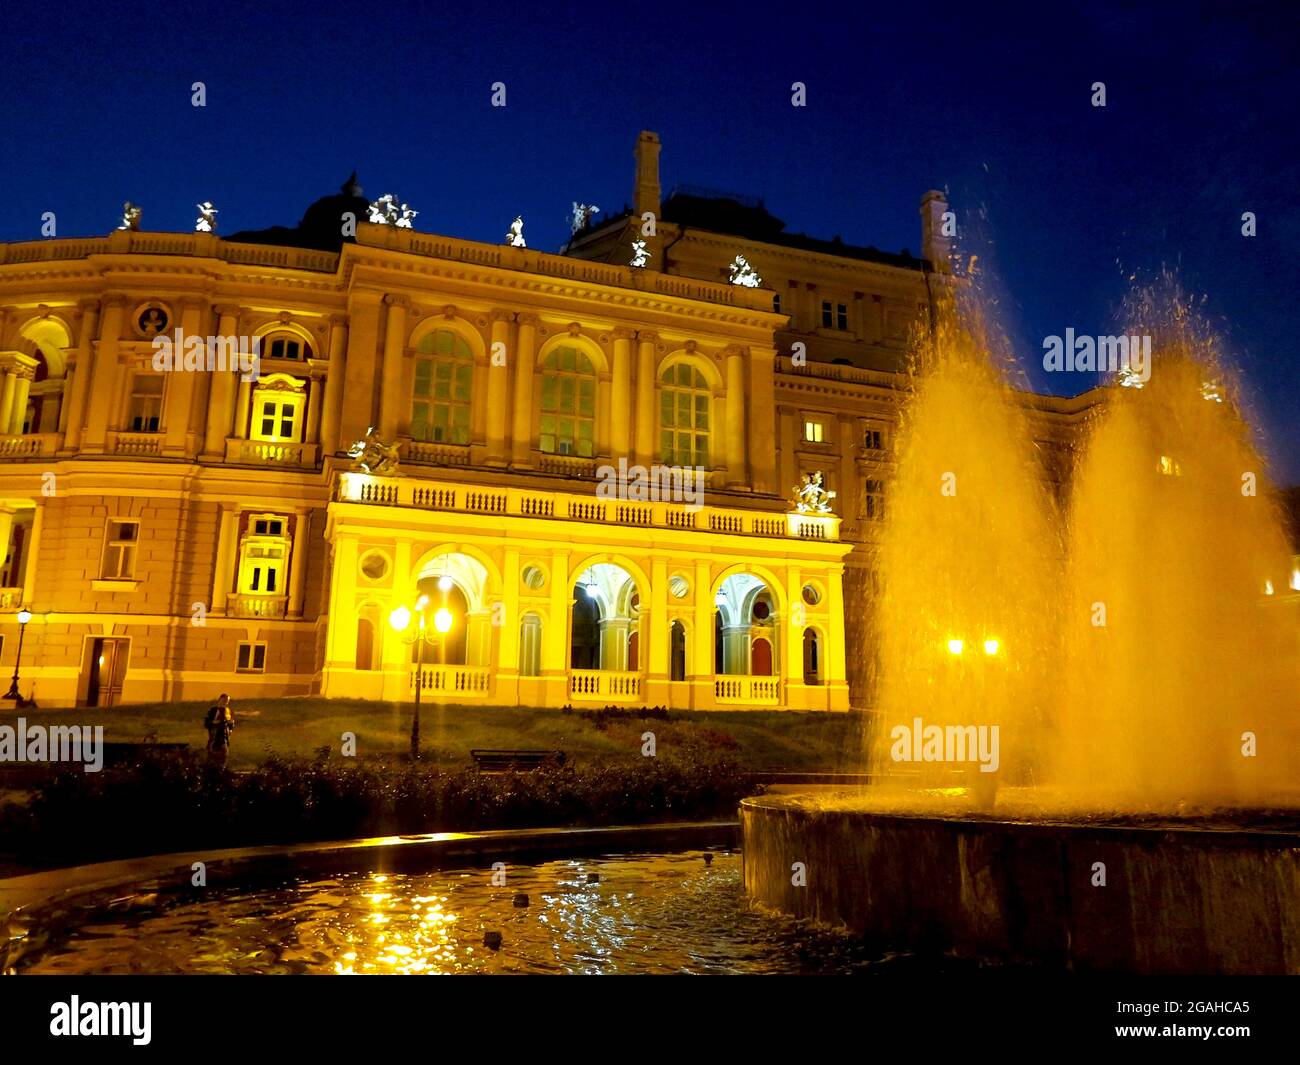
(179, 532)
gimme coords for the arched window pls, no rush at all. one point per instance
(284, 346)
(444, 380)
(677, 651)
(530, 646)
(568, 404)
(684, 400)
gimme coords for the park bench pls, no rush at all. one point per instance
(502, 761)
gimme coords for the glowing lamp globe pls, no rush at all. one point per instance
(399, 619)
(442, 619)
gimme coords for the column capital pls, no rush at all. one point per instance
(191, 301)
(113, 299)
(227, 310)
(734, 351)
(647, 336)
(338, 320)
(527, 318)
(88, 303)
(397, 299)
(623, 333)
(498, 315)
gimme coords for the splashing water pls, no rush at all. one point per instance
(1125, 650)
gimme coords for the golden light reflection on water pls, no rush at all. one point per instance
(663, 913)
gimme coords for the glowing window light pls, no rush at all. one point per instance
(991, 647)
(1268, 587)
(1169, 467)
(1295, 579)
(955, 647)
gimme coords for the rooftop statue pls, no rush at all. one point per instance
(811, 497)
(515, 238)
(640, 256)
(581, 216)
(386, 211)
(374, 456)
(207, 220)
(130, 216)
(744, 274)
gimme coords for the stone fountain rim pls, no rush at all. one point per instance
(794, 805)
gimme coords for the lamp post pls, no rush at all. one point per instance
(24, 616)
(418, 637)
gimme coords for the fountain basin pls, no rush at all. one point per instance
(1177, 899)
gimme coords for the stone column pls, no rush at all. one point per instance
(498, 380)
(107, 372)
(179, 394)
(243, 404)
(621, 395)
(521, 432)
(359, 367)
(7, 394)
(315, 386)
(33, 552)
(76, 405)
(221, 394)
(391, 394)
(735, 416)
(646, 424)
(22, 391)
(298, 560)
(700, 667)
(333, 412)
(6, 530)
(761, 437)
(223, 566)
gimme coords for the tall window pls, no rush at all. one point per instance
(814, 432)
(120, 538)
(684, 400)
(444, 378)
(568, 404)
(277, 415)
(262, 557)
(873, 500)
(530, 646)
(146, 403)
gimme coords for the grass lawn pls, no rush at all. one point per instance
(776, 740)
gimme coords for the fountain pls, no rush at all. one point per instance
(1085, 744)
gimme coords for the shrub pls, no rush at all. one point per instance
(163, 803)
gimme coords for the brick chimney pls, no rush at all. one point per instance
(645, 194)
(934, 245)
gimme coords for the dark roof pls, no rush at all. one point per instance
(751, 220)
(321, 227)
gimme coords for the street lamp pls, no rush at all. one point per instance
(24, 616)
(416, 636)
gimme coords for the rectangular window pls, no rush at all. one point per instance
(776, 303)
(275, 417)
(120, 539)
(874, 440)
(146, 403)
(873, 500)
(835, 315)
(252, 658)
(814, 432)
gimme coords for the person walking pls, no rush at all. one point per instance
(220, 723)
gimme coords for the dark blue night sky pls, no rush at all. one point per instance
(1064, 201)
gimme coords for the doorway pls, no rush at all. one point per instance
(106, 671)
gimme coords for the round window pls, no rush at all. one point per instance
(812, 594)
(374, 567)
(533, 577)
(761, 610)
(679, 586)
